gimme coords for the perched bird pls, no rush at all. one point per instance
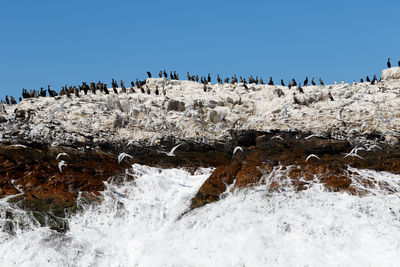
(300, 89)
(398, 63)
(330, 96)
(312, 81)
(157, 92)
(282, 83)
(204, 87)
(289, 85)
(149, 74)
(160, 74)
(294, 83)
(361, 80)
(305, 83)
(321, 82)
(367, 79)
(388, 63)
(271, 82)
(296, 101)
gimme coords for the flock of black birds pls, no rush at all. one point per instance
(139, 85)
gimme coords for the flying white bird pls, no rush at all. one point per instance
(62, 154)
(61, 164)
(122, 156)
(316, 135)
(277, 137)
(171, 153)
(236, 149)
(312, 156)
(353, 153)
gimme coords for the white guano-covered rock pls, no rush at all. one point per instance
(391, 74)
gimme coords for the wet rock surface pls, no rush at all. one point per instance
(287, 161)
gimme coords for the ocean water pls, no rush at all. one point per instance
(140, 223)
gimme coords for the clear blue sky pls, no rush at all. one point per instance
(58, 42)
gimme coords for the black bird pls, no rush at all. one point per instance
(289, 85)
(76, 92)
(105, 89)
(165, 74)
(115, 90)
(160, 74)
(282, 83)
(141, 89)
(245, 86)
(398, 63)
(300, 89)
(305, 81)
(330, 96)
(321, 82)
(261, 80)
(197, 78)
(219, 80)
(294, 83)
(312, 81)
(296, 101)
(149, 74)
(226, 80)
(209, 78)
(388, 63)
(7, 101)
(367, 79)
(271, 82)
(361, 80)
(204, 87)
(157, 92)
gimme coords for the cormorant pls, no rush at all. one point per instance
(312, 81)
(261, 80)
(271, 82)
(157, 92)
(289, 85)
(165, 74)
(160, 74)
(305, 83)
(321, 82)
(368, 80)
(209, 78)
(296, 101)
(361, 80)
(300, 89)
(282, 83)
(388, 63)
(330, 96)
(149, 74)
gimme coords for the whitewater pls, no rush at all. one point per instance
(144, 220)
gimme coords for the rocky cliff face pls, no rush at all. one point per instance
(55, 149)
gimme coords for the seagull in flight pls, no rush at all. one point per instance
(122, 156)
(62, 154)
(312, 156)
(236, 149)
(61, 164)
(171, 153)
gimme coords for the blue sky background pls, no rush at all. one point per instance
(58, 42)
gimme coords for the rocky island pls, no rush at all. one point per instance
(54, 149)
